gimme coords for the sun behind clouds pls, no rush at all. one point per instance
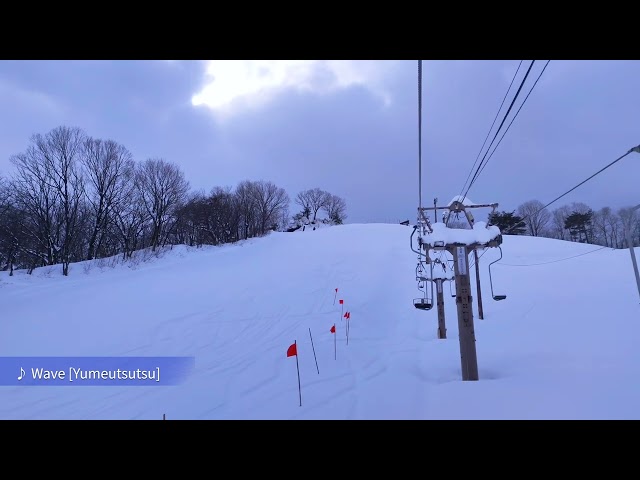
(235, 85)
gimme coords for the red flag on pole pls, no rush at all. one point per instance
(341, 302)
(336, 290)
(335, 342)
(346, 315)
(292, 351)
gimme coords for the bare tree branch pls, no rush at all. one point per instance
(535, 217)
(162, 188)
(108, 167)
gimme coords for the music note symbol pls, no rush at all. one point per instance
(21, 374)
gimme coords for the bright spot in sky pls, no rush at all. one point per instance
(240, 84)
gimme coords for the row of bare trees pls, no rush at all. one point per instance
(73, 197)
(226, 215)
(578, 222)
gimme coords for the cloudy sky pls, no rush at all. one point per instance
(348, 127)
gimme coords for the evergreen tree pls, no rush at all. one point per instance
(580, 226)
(508, 222)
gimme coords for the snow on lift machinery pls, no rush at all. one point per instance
(495, 297)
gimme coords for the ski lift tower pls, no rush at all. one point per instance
(460, 243)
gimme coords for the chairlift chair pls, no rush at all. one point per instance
(495, 297)
(426, 302)
(423, 303)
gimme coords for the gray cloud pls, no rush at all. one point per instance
(580, 117)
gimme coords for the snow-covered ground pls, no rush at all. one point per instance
(563, 345)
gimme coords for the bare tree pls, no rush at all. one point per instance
(227, 214)
(162, 188)
(615, 230)
(559, 216)
(209, 219)
(129, 220)
(600, 236)
(14, 246)
(4, 192)
(5, 197)
(220, 218)
(629, 219)
(7, 243)
(35, 195)
(601, 226)
(245, 201)
(313, 200)
(191, 220)
(109, 167)
(19, 243)
(61, 150)
(269, 201)
(336, 209)
(535, 217)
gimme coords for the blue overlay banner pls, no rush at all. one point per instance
(94, 371)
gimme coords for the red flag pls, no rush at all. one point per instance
(341, 302)
(346, 315)
(292, 350)
(333, 329)
(336, 290)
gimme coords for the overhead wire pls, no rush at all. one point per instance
(514, 117)
(485, 160)
(504, 119)
(553, 261)
(543, 263)
(491, 128)
(419, 138)
(572, 189)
